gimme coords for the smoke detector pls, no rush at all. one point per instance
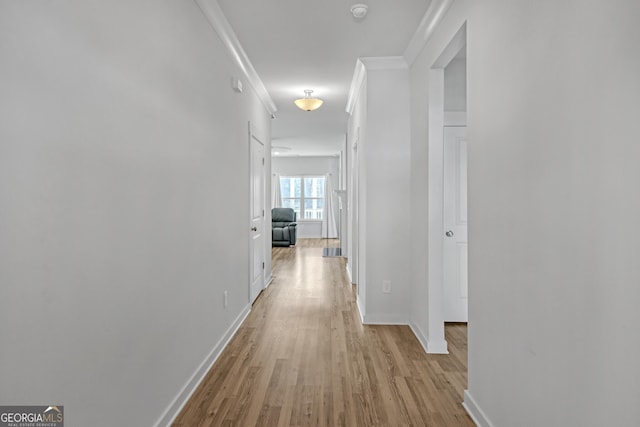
(359, 10)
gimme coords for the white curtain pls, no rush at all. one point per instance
(330, 207)
(276, 194)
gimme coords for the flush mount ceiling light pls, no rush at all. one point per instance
(359, 10)
(308, 103)
(279, 149)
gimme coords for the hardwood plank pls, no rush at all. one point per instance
(303, 358)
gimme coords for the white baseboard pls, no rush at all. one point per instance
(431, 347)
(474, 411)
(385, 319)
(268, 282)
(174, 408)
(348, 268)
(360, 311)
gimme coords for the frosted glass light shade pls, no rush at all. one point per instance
(307, 103)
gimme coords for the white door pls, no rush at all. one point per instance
(257, 241)
(353, 212)
(455, 224)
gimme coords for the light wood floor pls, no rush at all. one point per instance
(302, 357)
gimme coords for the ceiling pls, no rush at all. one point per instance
(314, 44)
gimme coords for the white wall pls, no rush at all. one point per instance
(553, 193)
(383, 162)
(553, 270)
(118, 137)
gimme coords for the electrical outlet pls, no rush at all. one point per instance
(225, 299)
(386, 286)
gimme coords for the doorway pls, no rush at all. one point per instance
(440, 115)
(455, 273)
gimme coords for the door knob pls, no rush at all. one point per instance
(449, 233)
(254, 228)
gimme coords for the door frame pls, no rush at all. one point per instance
(436, 118)
(353, 256)
(254, 133)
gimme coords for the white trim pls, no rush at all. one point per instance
(432, 17)
(298, 156)
(348, 268)
(174, 408)
(268, 281)
(384, 63)
(212, 11)
(436, 341)
(437, 347)
(386, 319)
(435, 327)
(455, 118)
(360, 311)
(356, 86)
(431, 347)
(455, 45)
(474, 411)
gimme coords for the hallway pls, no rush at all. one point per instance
(302, 357)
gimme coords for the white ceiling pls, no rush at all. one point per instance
(313, 44)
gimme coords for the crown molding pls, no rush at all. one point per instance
(432, 17)
(212, 11)
(384, 63)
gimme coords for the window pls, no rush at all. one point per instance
(305, 194)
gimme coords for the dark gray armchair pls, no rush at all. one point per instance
(283, 225)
